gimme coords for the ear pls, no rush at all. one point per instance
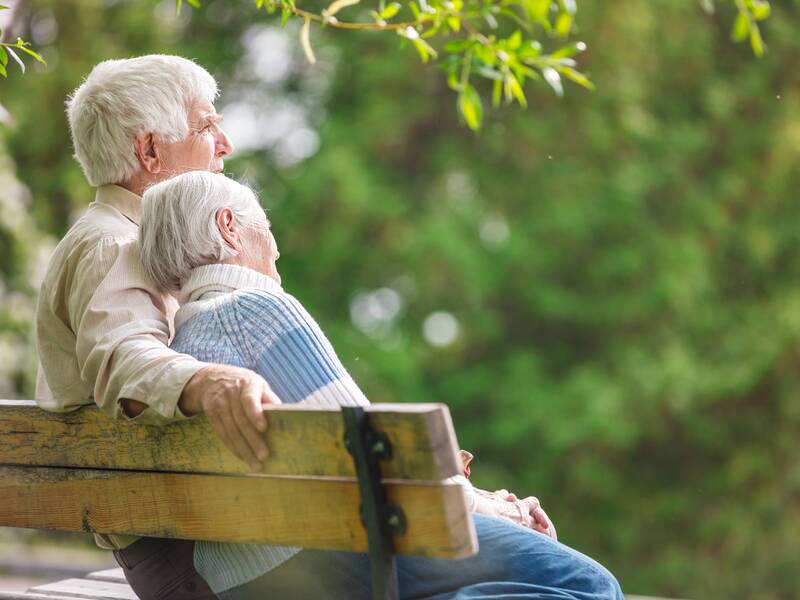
(228, 228)
(146, 147)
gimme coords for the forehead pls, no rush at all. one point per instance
(201, 109)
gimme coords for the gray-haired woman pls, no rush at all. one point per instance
(207, 238)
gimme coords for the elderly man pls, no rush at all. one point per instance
(102, 328)
(206, 237)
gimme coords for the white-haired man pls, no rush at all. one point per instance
(102, 328)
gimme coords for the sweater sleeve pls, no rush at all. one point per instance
(288, 349)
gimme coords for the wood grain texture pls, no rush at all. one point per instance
(83, 588)
(306, 512)
(302, 441)
(111, 575)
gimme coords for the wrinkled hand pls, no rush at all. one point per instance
(232, 399)
(539, 520)
(522, 511)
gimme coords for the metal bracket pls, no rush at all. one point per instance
(381, 520)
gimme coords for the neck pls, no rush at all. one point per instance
(140, 182)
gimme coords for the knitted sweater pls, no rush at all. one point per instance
(234, 315)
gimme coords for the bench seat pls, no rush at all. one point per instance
(109, 584)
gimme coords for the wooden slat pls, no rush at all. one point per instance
(311, 513)
(31, 596)
(112, 575)
(302, 441)
(84, 589)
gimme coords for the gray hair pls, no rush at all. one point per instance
(121, 99)
(178, 230)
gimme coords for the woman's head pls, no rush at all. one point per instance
(202, 218)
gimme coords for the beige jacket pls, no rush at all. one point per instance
(102, 329)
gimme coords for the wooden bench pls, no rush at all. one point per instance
(382, 490)
(110, 584)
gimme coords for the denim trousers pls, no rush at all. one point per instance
(513, 563)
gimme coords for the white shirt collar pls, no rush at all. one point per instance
(125, 201)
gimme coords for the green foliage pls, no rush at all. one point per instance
(11, 50)
(499, 40)
(622, 266)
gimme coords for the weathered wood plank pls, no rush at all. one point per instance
(311, 513)
(84, 588)
(112, 575)
(302, 441)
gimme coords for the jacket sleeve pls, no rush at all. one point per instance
(122, 332)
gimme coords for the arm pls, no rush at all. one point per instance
(122, 332)
(121, 335)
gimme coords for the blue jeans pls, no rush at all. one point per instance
(513, 563)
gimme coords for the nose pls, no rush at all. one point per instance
(224, 146)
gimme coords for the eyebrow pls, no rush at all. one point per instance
(212, 119)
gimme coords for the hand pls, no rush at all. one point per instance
(541, 522)
(232, 399)
(505, 505)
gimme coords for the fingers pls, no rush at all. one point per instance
(223, 423)
(232, 399)
(540, 517)
(251, 398)
(268, 396)
(248, 430)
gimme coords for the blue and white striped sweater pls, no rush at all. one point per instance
(236, 316)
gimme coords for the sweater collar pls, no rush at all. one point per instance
(212, 280)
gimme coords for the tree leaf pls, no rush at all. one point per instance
(497, 90)
(577, 77)
(741, 27)
(553, 79)
(514, 89)
(563, 24)
(470, 107)
(305, 41)
(569, 50)
(16, 58)
(391, 10)
(338, 5)
(707, 5)
(3, 56)
(35, 55)
(760, 10)
(756, 42)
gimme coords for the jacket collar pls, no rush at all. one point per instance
(117, 197)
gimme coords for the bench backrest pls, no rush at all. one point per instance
(82, 471)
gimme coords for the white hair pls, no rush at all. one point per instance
(178, 230)
(121, 99)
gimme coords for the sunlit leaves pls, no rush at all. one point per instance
(745, 25)
(8, 50)
(507, 42)
(192, 3)
(470, 107)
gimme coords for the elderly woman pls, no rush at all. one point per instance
(206, 238)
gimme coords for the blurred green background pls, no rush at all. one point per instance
(605, 288)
